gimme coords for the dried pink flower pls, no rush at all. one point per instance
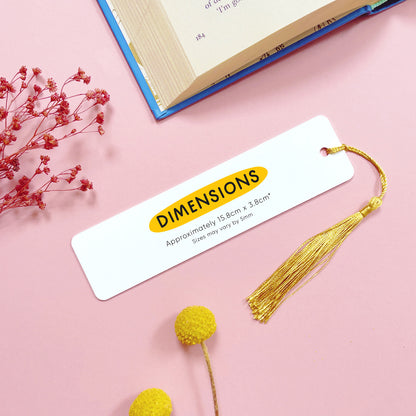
(46, 111)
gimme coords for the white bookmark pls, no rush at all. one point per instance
(211, 208)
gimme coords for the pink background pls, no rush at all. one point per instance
(343, 345)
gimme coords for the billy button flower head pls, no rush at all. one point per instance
(194, 325)
(151, 402)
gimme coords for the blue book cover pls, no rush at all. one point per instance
(159, 112)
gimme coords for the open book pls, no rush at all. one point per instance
(184, 47)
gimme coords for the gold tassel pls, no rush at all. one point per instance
(312, 256)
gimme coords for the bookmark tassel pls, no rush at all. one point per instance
(312, 256)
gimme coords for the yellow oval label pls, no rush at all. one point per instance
(208, 198)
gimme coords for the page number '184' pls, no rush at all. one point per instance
(200, 36)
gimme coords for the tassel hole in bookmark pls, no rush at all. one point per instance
(324, 152)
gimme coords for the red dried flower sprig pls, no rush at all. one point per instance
(49, 115)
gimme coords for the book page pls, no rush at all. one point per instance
(212, 31)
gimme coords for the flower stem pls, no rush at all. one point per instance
(211, 376)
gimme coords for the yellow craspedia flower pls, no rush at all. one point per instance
(151, 402)
(194, 325)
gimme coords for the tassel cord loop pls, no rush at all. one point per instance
(383, 178)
